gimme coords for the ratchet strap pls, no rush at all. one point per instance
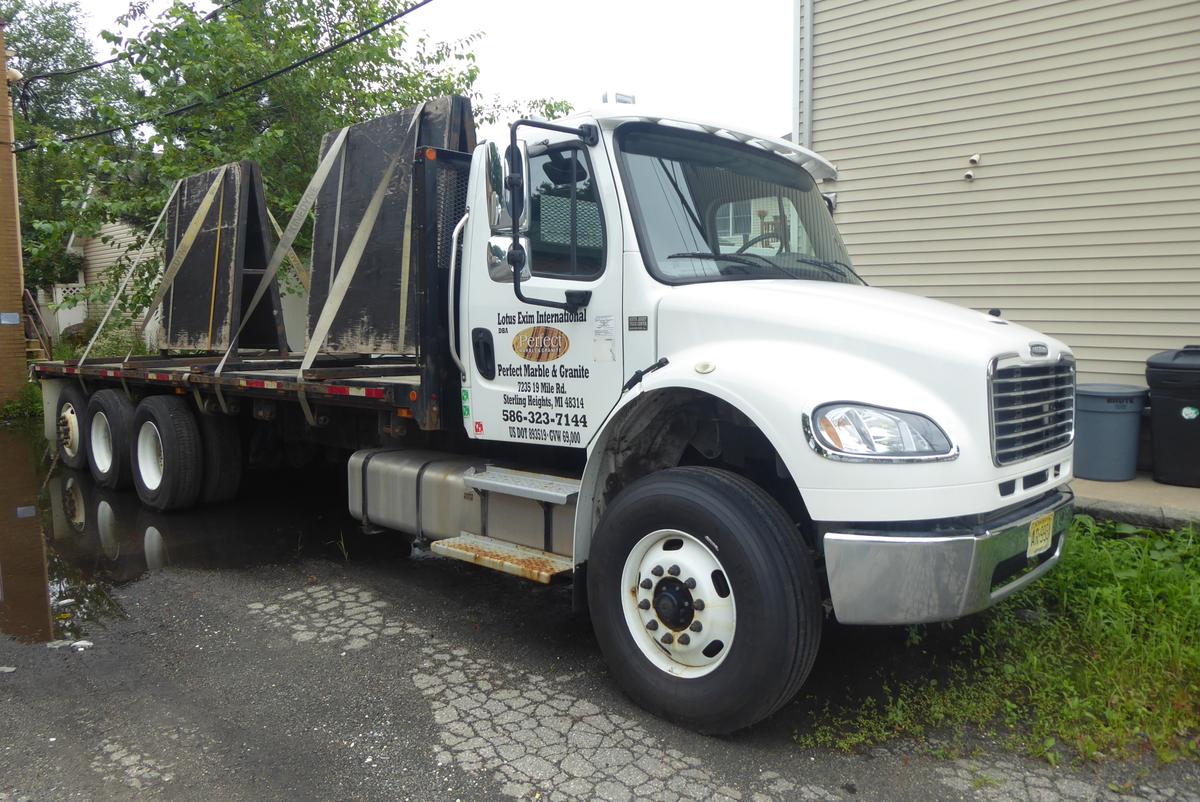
(354, 253)
(286, 238)
(185, 245)
(137, 260)
(293, 259)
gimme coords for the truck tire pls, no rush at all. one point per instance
(165, 453)
(222, 445)
(72, 428)
(704, 599)
(110, 416)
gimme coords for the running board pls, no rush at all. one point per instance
(509, 558)
(523, 484)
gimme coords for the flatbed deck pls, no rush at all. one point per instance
(379, 383)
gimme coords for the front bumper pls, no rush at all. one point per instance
(922, 575)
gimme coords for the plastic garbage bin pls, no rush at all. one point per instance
(1174, 379)
(1107, 418)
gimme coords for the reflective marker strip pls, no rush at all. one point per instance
(260, 384)
(112, 374)
(362, 392)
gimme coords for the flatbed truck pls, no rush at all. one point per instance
(645, 365)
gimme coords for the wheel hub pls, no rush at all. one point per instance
(678, 603)
(673, 603)
(68, 430)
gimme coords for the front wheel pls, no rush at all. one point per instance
(704, 599)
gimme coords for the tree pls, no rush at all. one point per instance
(45, 37)
(185, 56)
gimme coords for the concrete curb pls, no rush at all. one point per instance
(1145, 515)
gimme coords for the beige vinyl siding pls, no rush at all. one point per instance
(1083, 220)
(99, 256)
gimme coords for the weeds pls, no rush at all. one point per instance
(1099, 658)
(27, 404)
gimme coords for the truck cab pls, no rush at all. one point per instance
(687, 311)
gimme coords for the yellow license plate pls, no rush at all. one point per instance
(1041, 532)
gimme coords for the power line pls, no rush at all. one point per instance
(85, 68)
(72, 71)
(175, 112)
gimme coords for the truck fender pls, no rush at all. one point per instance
(682, 372)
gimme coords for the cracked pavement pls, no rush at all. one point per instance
(240, 666)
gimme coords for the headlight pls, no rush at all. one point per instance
(860, 432)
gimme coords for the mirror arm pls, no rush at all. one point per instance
(515, 183)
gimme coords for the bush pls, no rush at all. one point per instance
(28, 404)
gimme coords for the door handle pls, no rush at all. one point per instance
(485, 352)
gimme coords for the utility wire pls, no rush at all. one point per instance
(175, 112)
(85, 68)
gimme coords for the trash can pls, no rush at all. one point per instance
(1107, 419)
(1174, 379)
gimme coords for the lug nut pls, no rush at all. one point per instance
(698, 604)
(657, 570)
(651, 625)
(685, 639)
(667, 638)
(691, 583)
(673, 570)
(696, 626)
(644, 604)
(647, 584)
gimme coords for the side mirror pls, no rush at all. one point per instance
(500, 216)
(830, 201)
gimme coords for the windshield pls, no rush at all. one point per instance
(708, 209)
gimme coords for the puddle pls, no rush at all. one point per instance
(65, 543)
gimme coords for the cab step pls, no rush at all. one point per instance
(509, 558)
(524, 484)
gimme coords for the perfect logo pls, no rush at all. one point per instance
(540, 344)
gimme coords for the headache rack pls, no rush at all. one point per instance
(1032, 409)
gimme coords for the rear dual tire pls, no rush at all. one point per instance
(166, 453)
(71, 417)
(110, 421)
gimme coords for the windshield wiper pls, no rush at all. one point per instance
(746, 260)
(838, 269)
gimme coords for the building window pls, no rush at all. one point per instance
(733, 219)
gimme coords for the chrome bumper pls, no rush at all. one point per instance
(910, 577)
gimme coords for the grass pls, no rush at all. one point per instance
(1101, 658)
(28, 404)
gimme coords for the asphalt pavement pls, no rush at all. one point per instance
(236, 655)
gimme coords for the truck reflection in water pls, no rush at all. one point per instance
(76, 541)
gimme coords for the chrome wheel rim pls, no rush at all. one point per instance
(678, 603)
(150, 456)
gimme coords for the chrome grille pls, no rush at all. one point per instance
(1033, 410)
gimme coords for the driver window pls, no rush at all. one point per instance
(566, 229)
(763, 225)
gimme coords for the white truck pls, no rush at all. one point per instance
(676, 392)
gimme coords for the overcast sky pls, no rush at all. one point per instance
(719, 60)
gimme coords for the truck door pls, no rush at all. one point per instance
(537, 374)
